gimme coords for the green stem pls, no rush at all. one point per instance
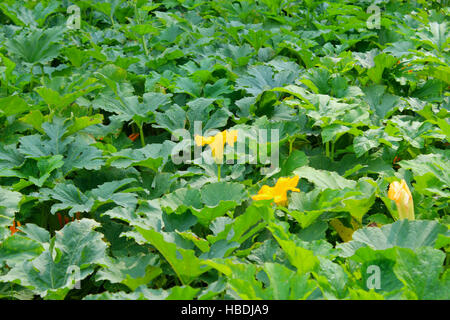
(332, 150)
(32, 78)
(218, 172)
(145, 46)
(291, 142)
(141, 134)
(42, 72)
(6, 85)
(327, 149)
(44, 217)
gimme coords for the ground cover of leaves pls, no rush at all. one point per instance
(103, 197)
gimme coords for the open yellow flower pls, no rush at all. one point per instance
(279, 192)
(217, 142)
(399, 192)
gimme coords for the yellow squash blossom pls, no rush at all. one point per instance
(279, 192)
(399, 192)
(217, 142)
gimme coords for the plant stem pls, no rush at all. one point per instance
(327, 149)
(6, 84)
(291, 142)
(141, 134)
(145, 46)
(332, 150)
(42, 72)
(218, 172)
(44, 217)
(32, 78)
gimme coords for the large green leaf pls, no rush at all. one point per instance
(109, 192)
(324, 179)
(183, 261)
(262, 78)
(145, 293)
(13, 105)
(72, 256)
(402, 233)
(410, 267)
(10, 157)
(435, 164)
(69, 197)
(436, 35)
(132, 271)
(17, 249)
(9, 205)
(151, 156)
(303, 259)
(282, 283)
(40, 46)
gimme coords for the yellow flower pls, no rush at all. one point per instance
(279, 192)
(217, 142)
(399, 192)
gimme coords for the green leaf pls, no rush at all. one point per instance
(108, 192)
(144, 293)
(285, 284)
(17, 249)
(189, 86)
(324, 179)
(241, 278)
(46, 166)
(172, 119)
(69, 197)
(436, 35)
(301, 258)
(368, 140)
(262, 78)
(72, 256)
(183, 261)
(380, 102)
(40, 46)
(382, 61)
(82, 123)
(424, 164)
(152, 156)
(410, 267)
(9, 205)
(298, 92)
(132, 271)
(402, 233)
(212, 194)
(10, 157)
(13, 105)
(181, 200)
(332, 279)
(80, 156)
(295, 160)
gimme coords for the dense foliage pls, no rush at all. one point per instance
(91, 183)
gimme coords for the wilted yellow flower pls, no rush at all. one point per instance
(279, 192)
(344, 232)
(399, 192)
(217, 142)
